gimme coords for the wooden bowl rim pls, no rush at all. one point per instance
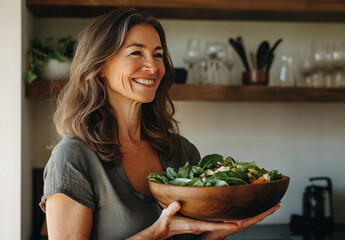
(283, 179)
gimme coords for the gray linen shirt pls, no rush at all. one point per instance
(119, 211)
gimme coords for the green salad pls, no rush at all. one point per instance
(214, 170)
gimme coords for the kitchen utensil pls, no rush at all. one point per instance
(261, 55)
(269, 62)
(270, 55)
(239, 39)
(222, 203)
(240, 51)
(252, 57)
(275, 45)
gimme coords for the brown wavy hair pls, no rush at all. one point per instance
(83, 109)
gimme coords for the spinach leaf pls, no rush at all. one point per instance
(232, 178)
(216, 182)
(196, 182)
(195, 172)
(171, 173)
(274, 174)
(229, 160)
(180, 181)
(183, 171)
(210, 161)
(158, 177)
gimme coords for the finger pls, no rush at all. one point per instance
(172, 209)
(263, 215)
(162, 205)
(248, 222)
(228, 227)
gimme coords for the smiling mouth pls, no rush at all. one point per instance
(146, 82)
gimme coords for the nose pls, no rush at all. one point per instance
(150, 65)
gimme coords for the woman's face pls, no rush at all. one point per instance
(136, 69)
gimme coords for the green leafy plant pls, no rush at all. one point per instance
(40, 52)
(214, 170)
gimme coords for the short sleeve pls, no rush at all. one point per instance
(187, 151)
(194, 155)
(67, 172)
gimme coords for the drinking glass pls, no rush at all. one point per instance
(287, 73)
(192, 59)
(338, 64)
(318, 52)
(218, 63)
(229, 61)
(305, 68)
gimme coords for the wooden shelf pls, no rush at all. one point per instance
(41, 89)
(267, 10)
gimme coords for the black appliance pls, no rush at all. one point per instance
(317, 208)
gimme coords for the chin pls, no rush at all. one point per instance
(147, 100)
(145, 96)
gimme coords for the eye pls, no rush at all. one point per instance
(136, 53)
(158, 55)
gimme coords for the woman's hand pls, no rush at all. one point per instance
(241, 225)
(170, 224)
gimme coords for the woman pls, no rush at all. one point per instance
(116, 119)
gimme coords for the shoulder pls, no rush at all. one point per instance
(72, 150)
(70, 171)
(184, 143)
(70, 143)
(186, 151)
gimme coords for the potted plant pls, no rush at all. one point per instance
(49, 62)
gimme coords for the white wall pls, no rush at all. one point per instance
(299, 139)
(10, 120)
(27, 132)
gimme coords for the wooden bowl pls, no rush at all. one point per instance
(222, 203)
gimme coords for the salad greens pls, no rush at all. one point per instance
(214, 170)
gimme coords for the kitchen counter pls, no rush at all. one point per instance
(283, 232)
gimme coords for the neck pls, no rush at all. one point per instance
(128, 116)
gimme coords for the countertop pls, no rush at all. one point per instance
(284, 232)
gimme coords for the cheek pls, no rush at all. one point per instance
(161, 71)
(119, 83)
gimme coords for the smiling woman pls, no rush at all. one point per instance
(136, 69)
(116, 120)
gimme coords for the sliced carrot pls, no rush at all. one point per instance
(236, 170)
(259, 180)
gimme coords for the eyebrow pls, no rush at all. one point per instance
(143, 46)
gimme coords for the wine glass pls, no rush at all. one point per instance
(305, 68)
(328, 65)
(318, 52)
(338, 62)
(193, 58)
(215, 52)
(229, 61)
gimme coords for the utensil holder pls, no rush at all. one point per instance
(255, 77)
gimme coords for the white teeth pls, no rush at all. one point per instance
(144, 81)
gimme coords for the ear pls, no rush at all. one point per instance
(101, 74)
